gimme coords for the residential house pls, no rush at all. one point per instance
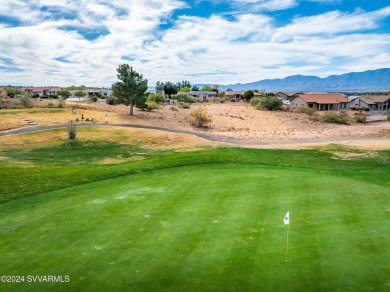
(285, 95)
(42, 91)
(201, 95)
(320, 101)
(372, 102)
(258, 94)
(234, 94)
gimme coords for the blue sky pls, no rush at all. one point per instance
(65, 42)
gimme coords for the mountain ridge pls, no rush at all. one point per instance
(370, 80)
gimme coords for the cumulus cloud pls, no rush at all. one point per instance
(83, 42)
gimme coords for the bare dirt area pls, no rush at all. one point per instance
(237, 121)
(241, 121)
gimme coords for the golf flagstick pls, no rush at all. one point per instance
(287, 243)
(287, 222)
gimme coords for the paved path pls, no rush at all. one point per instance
(201, 135)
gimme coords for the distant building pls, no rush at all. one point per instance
(372, 102)
(285, 95)
(320, 101)
(42, 91)
(201, 95)
(234, 94)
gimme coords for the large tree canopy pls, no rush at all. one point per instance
(170, 88)
(131, 87)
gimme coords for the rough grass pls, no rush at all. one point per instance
(199, 221)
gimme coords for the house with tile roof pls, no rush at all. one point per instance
(234, 94)
(372, 102)
(42, 91)
(320, 101)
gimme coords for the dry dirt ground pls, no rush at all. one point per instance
(235, 121)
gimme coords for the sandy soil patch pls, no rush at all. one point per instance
(241, 121)
(232, 120)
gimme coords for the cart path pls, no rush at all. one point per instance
(201, 135)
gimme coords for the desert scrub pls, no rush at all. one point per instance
(185, 105)
(255, 101)
(151, 105)
(200, 117)
(26, 101)
(360, 118)
(71, 129)
(388, 115)
(307, 110)
(271, 103)
(335, 118)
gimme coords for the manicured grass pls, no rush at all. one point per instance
(197, 221)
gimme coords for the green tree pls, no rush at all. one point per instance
(13, 91)
(195, 88)
(159, 85)
(207, 88)
(185, 89)
(170, 88)
(248, 94)
(131, 87)
(80, 94)
(64, 93)
(182, 84)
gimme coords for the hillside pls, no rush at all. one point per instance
(373, 80)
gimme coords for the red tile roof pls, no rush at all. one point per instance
(323, 98)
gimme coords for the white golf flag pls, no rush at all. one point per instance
(287, 218)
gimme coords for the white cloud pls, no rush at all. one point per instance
(216, 49)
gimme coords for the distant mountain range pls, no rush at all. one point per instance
(372, 80)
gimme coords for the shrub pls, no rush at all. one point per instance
(13, 91)
(307, 110)
(185, 105)
(50, 105)
(112, 100)
(315, 117)
(223, 100)
(144, 103)
(200, 117)
(360, 118)
(184, 98)
(173, 108)
(388, 114)
(26, 101)
(157, 98)
(93, 98)
(233, 100)
(271, 103)
(71, 129)
(255, 101)
(151, 105)
(61, 103)
(335, 118)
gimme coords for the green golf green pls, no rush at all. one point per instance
(201, 221)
